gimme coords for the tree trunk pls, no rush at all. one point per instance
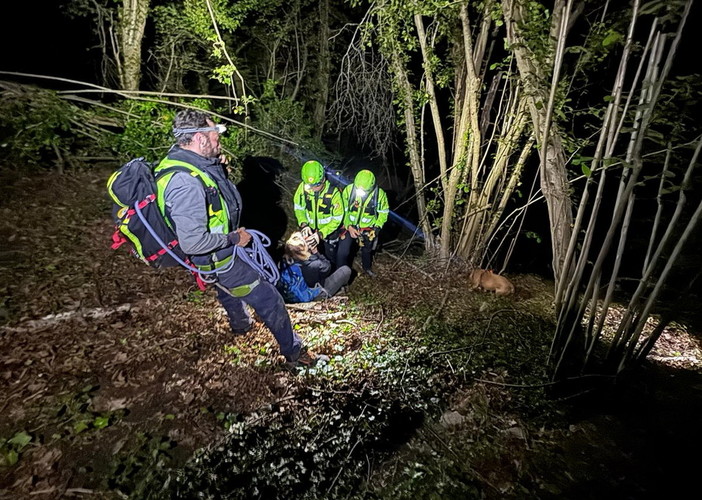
(323, 70)
(132, 23)
(416, 166)
(553, 175)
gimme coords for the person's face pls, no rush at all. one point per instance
(209, 145)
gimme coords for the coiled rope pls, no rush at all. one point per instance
(255, 254)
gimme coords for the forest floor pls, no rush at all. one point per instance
(119, 381)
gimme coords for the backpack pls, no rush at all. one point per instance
(138, 220)
(292, 286)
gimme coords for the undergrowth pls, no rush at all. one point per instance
(373, 423)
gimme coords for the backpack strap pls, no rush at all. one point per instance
(372, 207)
(309, 197)
(213, 198)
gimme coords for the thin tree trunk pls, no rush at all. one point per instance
(433, 104)
(553, 175)
(323, 69)
(412, 144)
(132, 25)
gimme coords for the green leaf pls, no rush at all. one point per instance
(8, 458)
(586, 170)
(611, 38)
(79, 427)
(101, 422)
(21, 439)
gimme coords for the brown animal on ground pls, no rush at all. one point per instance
(488, 281)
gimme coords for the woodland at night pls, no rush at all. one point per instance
(522, 315)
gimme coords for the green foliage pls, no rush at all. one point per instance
(364, 405)
(147, 132)
(676, 117)
(36, 127)
(531, 235)
(310, 454)
(535, 29)
(282, 116)
(583, 162)
(11, 449)
(134, 468)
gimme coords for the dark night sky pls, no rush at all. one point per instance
(37, 37)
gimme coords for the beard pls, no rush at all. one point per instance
(210, 149)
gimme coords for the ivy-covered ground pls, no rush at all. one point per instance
(118, 381)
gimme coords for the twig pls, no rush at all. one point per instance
(382, 318)
(545, 384)
(299, 308)
(85, 491)
(438, 311)
(43, 492)
(329, 391)
(36, 325)
(347, 321)
(459, 460)
(342, 466)
(523, 386)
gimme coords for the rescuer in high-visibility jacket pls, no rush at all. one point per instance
(318, 207)
(208, 233)
(366, 211)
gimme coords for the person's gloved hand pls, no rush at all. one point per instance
(240, 237)
(310, 235)
(370, 234)
(312, 239)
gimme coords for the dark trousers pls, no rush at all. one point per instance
(265, 300)
(330, 249)
(335, 281)
(347, 245)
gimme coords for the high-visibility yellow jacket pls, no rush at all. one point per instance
(322, 210)
(369, 211)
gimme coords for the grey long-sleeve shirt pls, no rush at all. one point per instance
(187, 208)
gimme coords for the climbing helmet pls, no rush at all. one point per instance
(312, 173)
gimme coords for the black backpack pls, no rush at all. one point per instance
(138, 220)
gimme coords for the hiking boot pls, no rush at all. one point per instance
(370, 273)
(242, 331)
(306, 359)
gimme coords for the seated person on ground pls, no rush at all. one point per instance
(316, 268)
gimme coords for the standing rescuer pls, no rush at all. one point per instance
(205, 213)
(319, 209)
(365, 213)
